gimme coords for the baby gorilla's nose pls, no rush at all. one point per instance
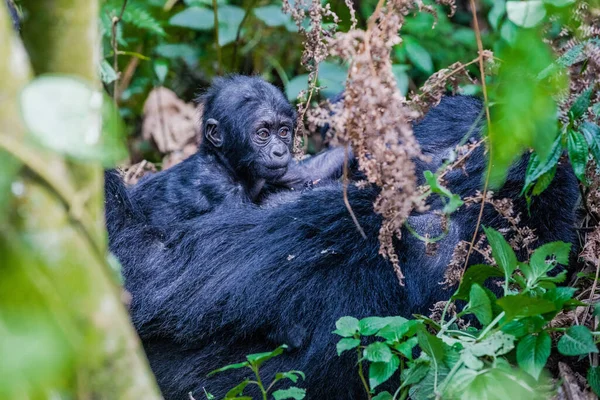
(279, 152)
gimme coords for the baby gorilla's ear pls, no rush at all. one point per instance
(212, 133)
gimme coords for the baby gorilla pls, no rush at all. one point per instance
(248, 130)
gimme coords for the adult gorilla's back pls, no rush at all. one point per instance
(245, 279)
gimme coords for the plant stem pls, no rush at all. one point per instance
(259, 382)
(490, 326)
(362, 375)
(239, 31)
(218, 47)
(489, 123)
(115, 22)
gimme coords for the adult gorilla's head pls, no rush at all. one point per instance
(249, 124)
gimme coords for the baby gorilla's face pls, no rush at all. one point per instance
(271, 139)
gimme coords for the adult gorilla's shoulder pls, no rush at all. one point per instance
(245, 279)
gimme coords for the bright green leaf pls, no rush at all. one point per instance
(521, 306)
(578, 153)
(577, 341)
(371, 325)
(291, 375)
(290, 393)
(418, 55)
(379, 372)
(581, 104)
(66, 115)
(197, 18)
(533, 352)
(347, 326)
(591, 132)
(378, 352)
(503, 254)
(236, 391)
(525, 14)
(347, 344)
(478, 273)
(383, 396)
(496, 13)
(230, 366)
(480, 305)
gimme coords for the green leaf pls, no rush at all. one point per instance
(593, 378)
(347, 326)
(578, 153)
(524, 326)
(371, 325)
(67, 115)
(581, 104)
(332, 78)
(478, 273)
(406, 348)
(536, 168)
(230, 366)
(591, 132)
(533, 352)
(433, 346)
(295, 86)
(139, 17)
(543, 182)
(560, 296)
(577, 341)
(496, 13)
(400, 72)
(347, 344)
(383, 396)
(396, 330)
(525, 14)
(503, 254)
(508, 32)
(161, 69)
(379, 372)
(480, 305)
(538, 263)
(236, 391)
(415, 373)
(230, 17)
(521, 306)
(499, 343)
(291, 375)
(197, 18)
(107, 73)
(378, 352)
(259, 358)
(417, 54)
(454, 201)
(290, 393)
(271, 15)
(559, 3)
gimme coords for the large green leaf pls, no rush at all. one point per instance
(378, 352)
(347, 344)
(418, 55)
(272, 15)
(577, 341)
(379, 372)
(478, 273)
(503, 254)
(347, 326)
(522, 305)
(480, 305)
(578, 153)
(533, 352)
(290, 393)
(591, 132)
(197, 18)
(538, 261)
(526, 14)
(371, 325)
(65, 114)
(593, 377)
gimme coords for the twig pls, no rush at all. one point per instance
(489, 122)
(239, 31)
(218, 46)
(115, 22)
(592, 292)
(346, 202)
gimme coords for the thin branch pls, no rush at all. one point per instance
(346, 202)
(115, 22)
(239, 32)
(218, 46)
(592, 292)
(489, 123)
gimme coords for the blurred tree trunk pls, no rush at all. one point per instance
(64, 332)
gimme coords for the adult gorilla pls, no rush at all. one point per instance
(245, 279)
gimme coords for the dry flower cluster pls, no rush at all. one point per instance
(316, 50)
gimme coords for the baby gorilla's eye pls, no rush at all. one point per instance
(284, 132)
(263, 133)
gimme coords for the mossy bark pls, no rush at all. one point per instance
(63, 328)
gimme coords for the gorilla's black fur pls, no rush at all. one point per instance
(245, 279)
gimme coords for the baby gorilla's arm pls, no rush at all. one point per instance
(327, 165)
